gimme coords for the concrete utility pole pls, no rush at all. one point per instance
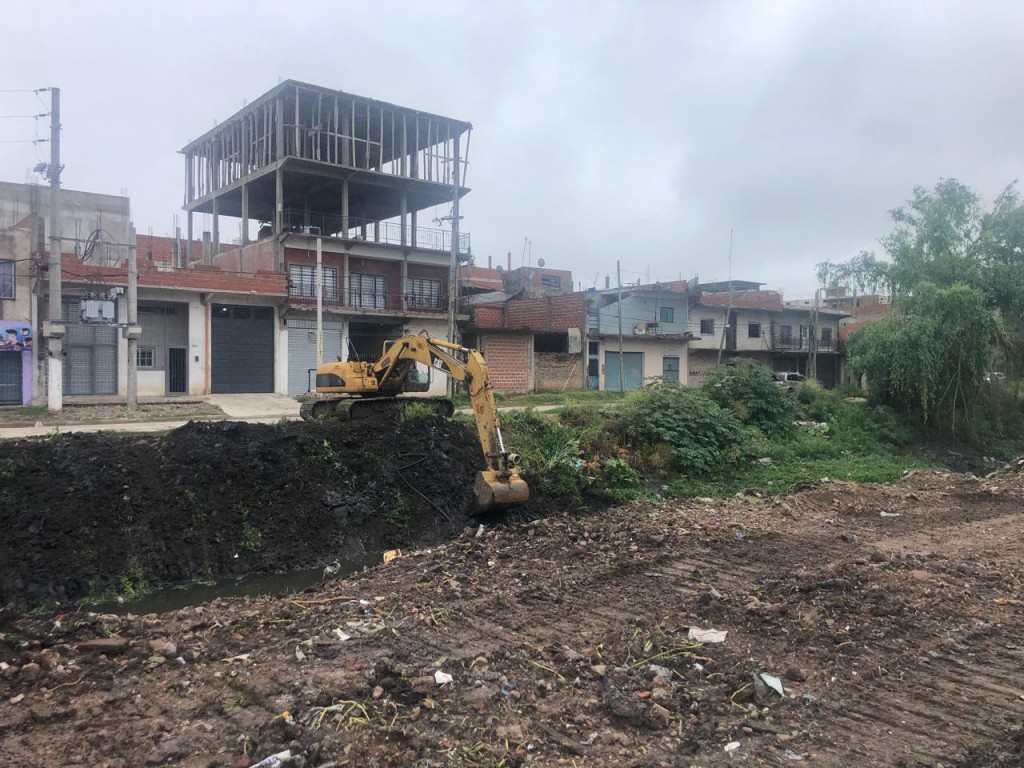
(320, 301)
(132, 332)
(728, 310)
(55, 327)
(622, 370)
(453, 282)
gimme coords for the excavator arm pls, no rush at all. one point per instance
(500, 483)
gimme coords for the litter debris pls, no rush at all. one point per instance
(707, 635)
(17, 699)
(809, 701)
(479, 531)
(888, 514)
(732, 746)
(789, 754)
(392, 554)
(274, 760)
(342, 637)
(774, 683)
(841, 584)
(442, 678)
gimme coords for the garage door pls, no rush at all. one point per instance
(302, 351)
(241, 349)
(632, 367)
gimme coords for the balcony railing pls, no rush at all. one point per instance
(370, 302)
(386, 232)
(797, 344)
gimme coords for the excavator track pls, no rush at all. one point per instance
(352, 408)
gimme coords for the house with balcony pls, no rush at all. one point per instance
(307, 167)
(759, 325)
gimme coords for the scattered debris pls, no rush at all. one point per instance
(888, 514)
(707, 635)
(442, 678)
(732, 746)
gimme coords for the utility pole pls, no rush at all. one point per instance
(453, 281)
(320, 301)
(55, 328)
(728, 311)
(813, 373)
(622, 371)
(132, 332)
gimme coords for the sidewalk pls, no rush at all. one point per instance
(258, 409)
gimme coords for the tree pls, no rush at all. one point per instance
(931, 360)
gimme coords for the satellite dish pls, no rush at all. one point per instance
(540, 262)
(499, 269)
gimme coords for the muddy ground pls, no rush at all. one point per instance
(88, 515)
(891, 616)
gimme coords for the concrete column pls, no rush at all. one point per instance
(404, 207)
(188, 243)
(216, 224)
(245, 214)
(412, 233)
(344, 208)
(405, 281)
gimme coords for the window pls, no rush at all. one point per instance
(145, 357)
(753, 330)
(302, 281)
(785, 332)
(707, 326)
(551, 281)
(667, 315)
(6, 279)
(368, 291)
(424, 293)
(826, 335)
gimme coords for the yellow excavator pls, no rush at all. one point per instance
(357, 389)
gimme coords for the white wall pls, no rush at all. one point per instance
(280, 354)
(198, 327)
(654, 351)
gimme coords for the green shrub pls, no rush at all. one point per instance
(548, 449)
(749, 391)
(702, 437)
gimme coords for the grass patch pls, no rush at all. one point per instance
(527, 399)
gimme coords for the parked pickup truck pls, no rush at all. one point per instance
(789, 379)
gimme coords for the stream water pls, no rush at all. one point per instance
(253, 584)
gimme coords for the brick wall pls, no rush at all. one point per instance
(550, 313)
(553, 369)
(508, 358)
(199, 278)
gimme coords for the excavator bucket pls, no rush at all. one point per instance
(492, 491)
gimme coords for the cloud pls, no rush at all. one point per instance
(603, 131)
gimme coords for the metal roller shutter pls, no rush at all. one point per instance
(633, 370)
(241, 349)
(10, 378)
(302, 351)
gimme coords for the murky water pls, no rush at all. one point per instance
(251, 585)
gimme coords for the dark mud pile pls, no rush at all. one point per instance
(95, 514)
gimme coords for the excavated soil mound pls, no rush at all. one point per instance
(92, 514)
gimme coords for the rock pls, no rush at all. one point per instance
(29, 671)
(879, 557)
(377, 692)
(107, 645)
(658, 674)
(849, 538)
(49, 659)
(480, 662)
(511, 733)
(600, 669)
(156, 661)
(793, 674)
(7, 671)
(480, 698)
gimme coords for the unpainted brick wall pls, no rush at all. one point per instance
(508, 358)
(553, 369)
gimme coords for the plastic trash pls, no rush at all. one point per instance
(707, 635)
(274, 760)
(442, 678)
(774, 683)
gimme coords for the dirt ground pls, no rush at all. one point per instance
(891, 617)
(85, 515)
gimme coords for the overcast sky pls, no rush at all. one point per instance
(642, 131)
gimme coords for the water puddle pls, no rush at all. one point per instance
(250, 585)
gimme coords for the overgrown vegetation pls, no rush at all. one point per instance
(955, 275)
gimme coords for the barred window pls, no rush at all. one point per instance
(367, 291)
(424, 293)
(6, 279)
(302, 281)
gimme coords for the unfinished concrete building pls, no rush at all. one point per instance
(304, 162)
